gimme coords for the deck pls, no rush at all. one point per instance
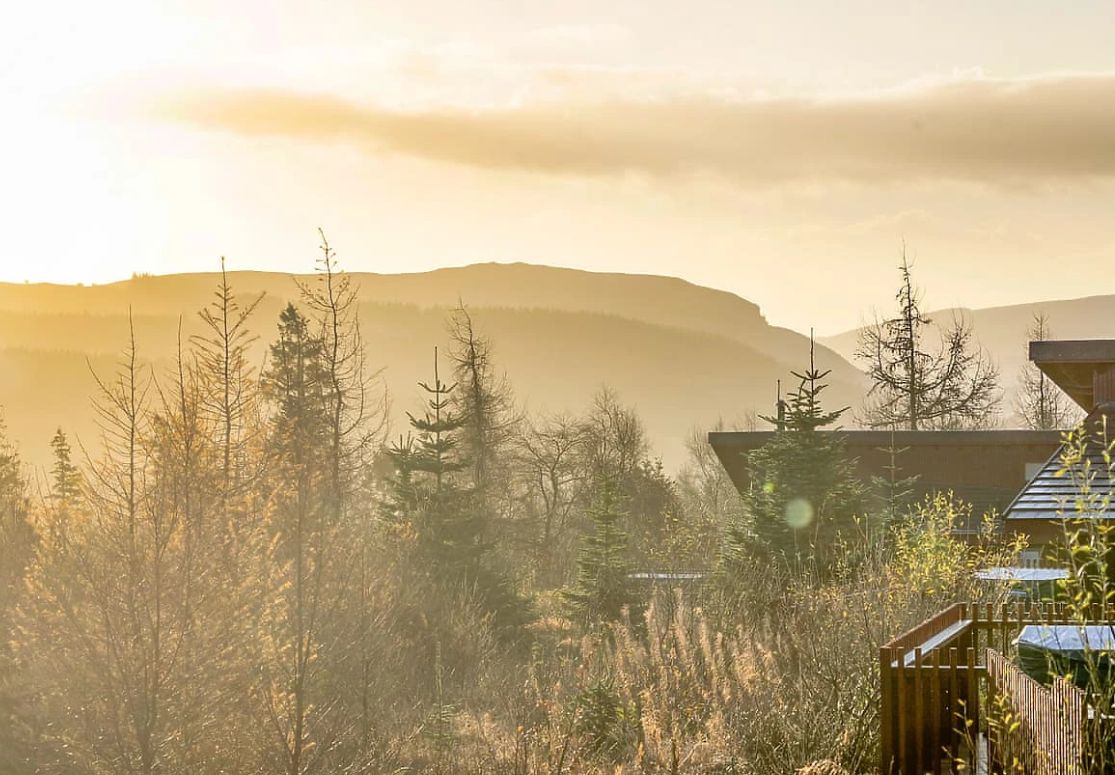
(939, 680)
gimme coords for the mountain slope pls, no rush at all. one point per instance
(682, 354)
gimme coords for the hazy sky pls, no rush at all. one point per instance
(779, 150)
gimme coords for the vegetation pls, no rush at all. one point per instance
(1039, 403)
(247, 576)
(953, 386)
(805, 496)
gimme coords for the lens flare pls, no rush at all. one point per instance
(799, 513)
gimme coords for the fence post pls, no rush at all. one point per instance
(886, 711)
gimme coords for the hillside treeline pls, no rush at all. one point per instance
(253, 573)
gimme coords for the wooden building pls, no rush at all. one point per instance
(984, 468)
(1085, 371)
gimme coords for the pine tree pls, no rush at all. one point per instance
(603, 588)
(430, 493)
(65, 480)
(955, 386)
(804, 493)
(484, 403)
(307, 554)
(17, 547)
(450, 528)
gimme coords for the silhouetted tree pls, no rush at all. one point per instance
(1040, 403)
(484, 402)
(228, 378)
(953, 386)
(65, 479)
(306, 539)
(430, 492)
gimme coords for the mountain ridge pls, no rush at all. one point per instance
(682, 354)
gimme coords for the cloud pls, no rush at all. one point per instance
(993, 131)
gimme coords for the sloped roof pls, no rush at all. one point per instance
(1053, 491)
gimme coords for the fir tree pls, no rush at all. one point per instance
(603, 588)
(65, 481)
(307, 553)
(447, 525)
(431, 493)
(804, 492)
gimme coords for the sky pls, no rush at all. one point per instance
(782, 151)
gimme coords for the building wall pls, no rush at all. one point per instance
(986, 468)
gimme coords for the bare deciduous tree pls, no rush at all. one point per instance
(1040, 404)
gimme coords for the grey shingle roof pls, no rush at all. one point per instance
(1052, 493)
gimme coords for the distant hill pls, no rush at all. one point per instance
(1002, 331)
(684, 355)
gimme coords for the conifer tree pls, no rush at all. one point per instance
(954, 386)
(65, 480)
(603, 589)
(450, 528)
(431, 493)
(804, 493)
(17, 546)
(306, 545)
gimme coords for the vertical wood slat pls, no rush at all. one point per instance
(887, 711)
(902, 720)
(1048, 740)
(954, 706)
(971, 702)
(920, 686)
(934, 712)
(919, 713)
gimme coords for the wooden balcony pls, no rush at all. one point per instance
(936, 689)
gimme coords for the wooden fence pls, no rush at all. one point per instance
(932, 679)
(1035, 729)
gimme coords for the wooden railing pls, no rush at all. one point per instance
(933, 676)
(1036, 729)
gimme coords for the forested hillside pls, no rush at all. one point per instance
(683, 354)
(249, 572)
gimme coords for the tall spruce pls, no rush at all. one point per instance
(305, 541)
(953, 386)
(448, 524)
(603, 589)
(486, 405)
(431, 493)
(804, 494)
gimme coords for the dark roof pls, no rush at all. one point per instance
(885, 439)
(1052, 493)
